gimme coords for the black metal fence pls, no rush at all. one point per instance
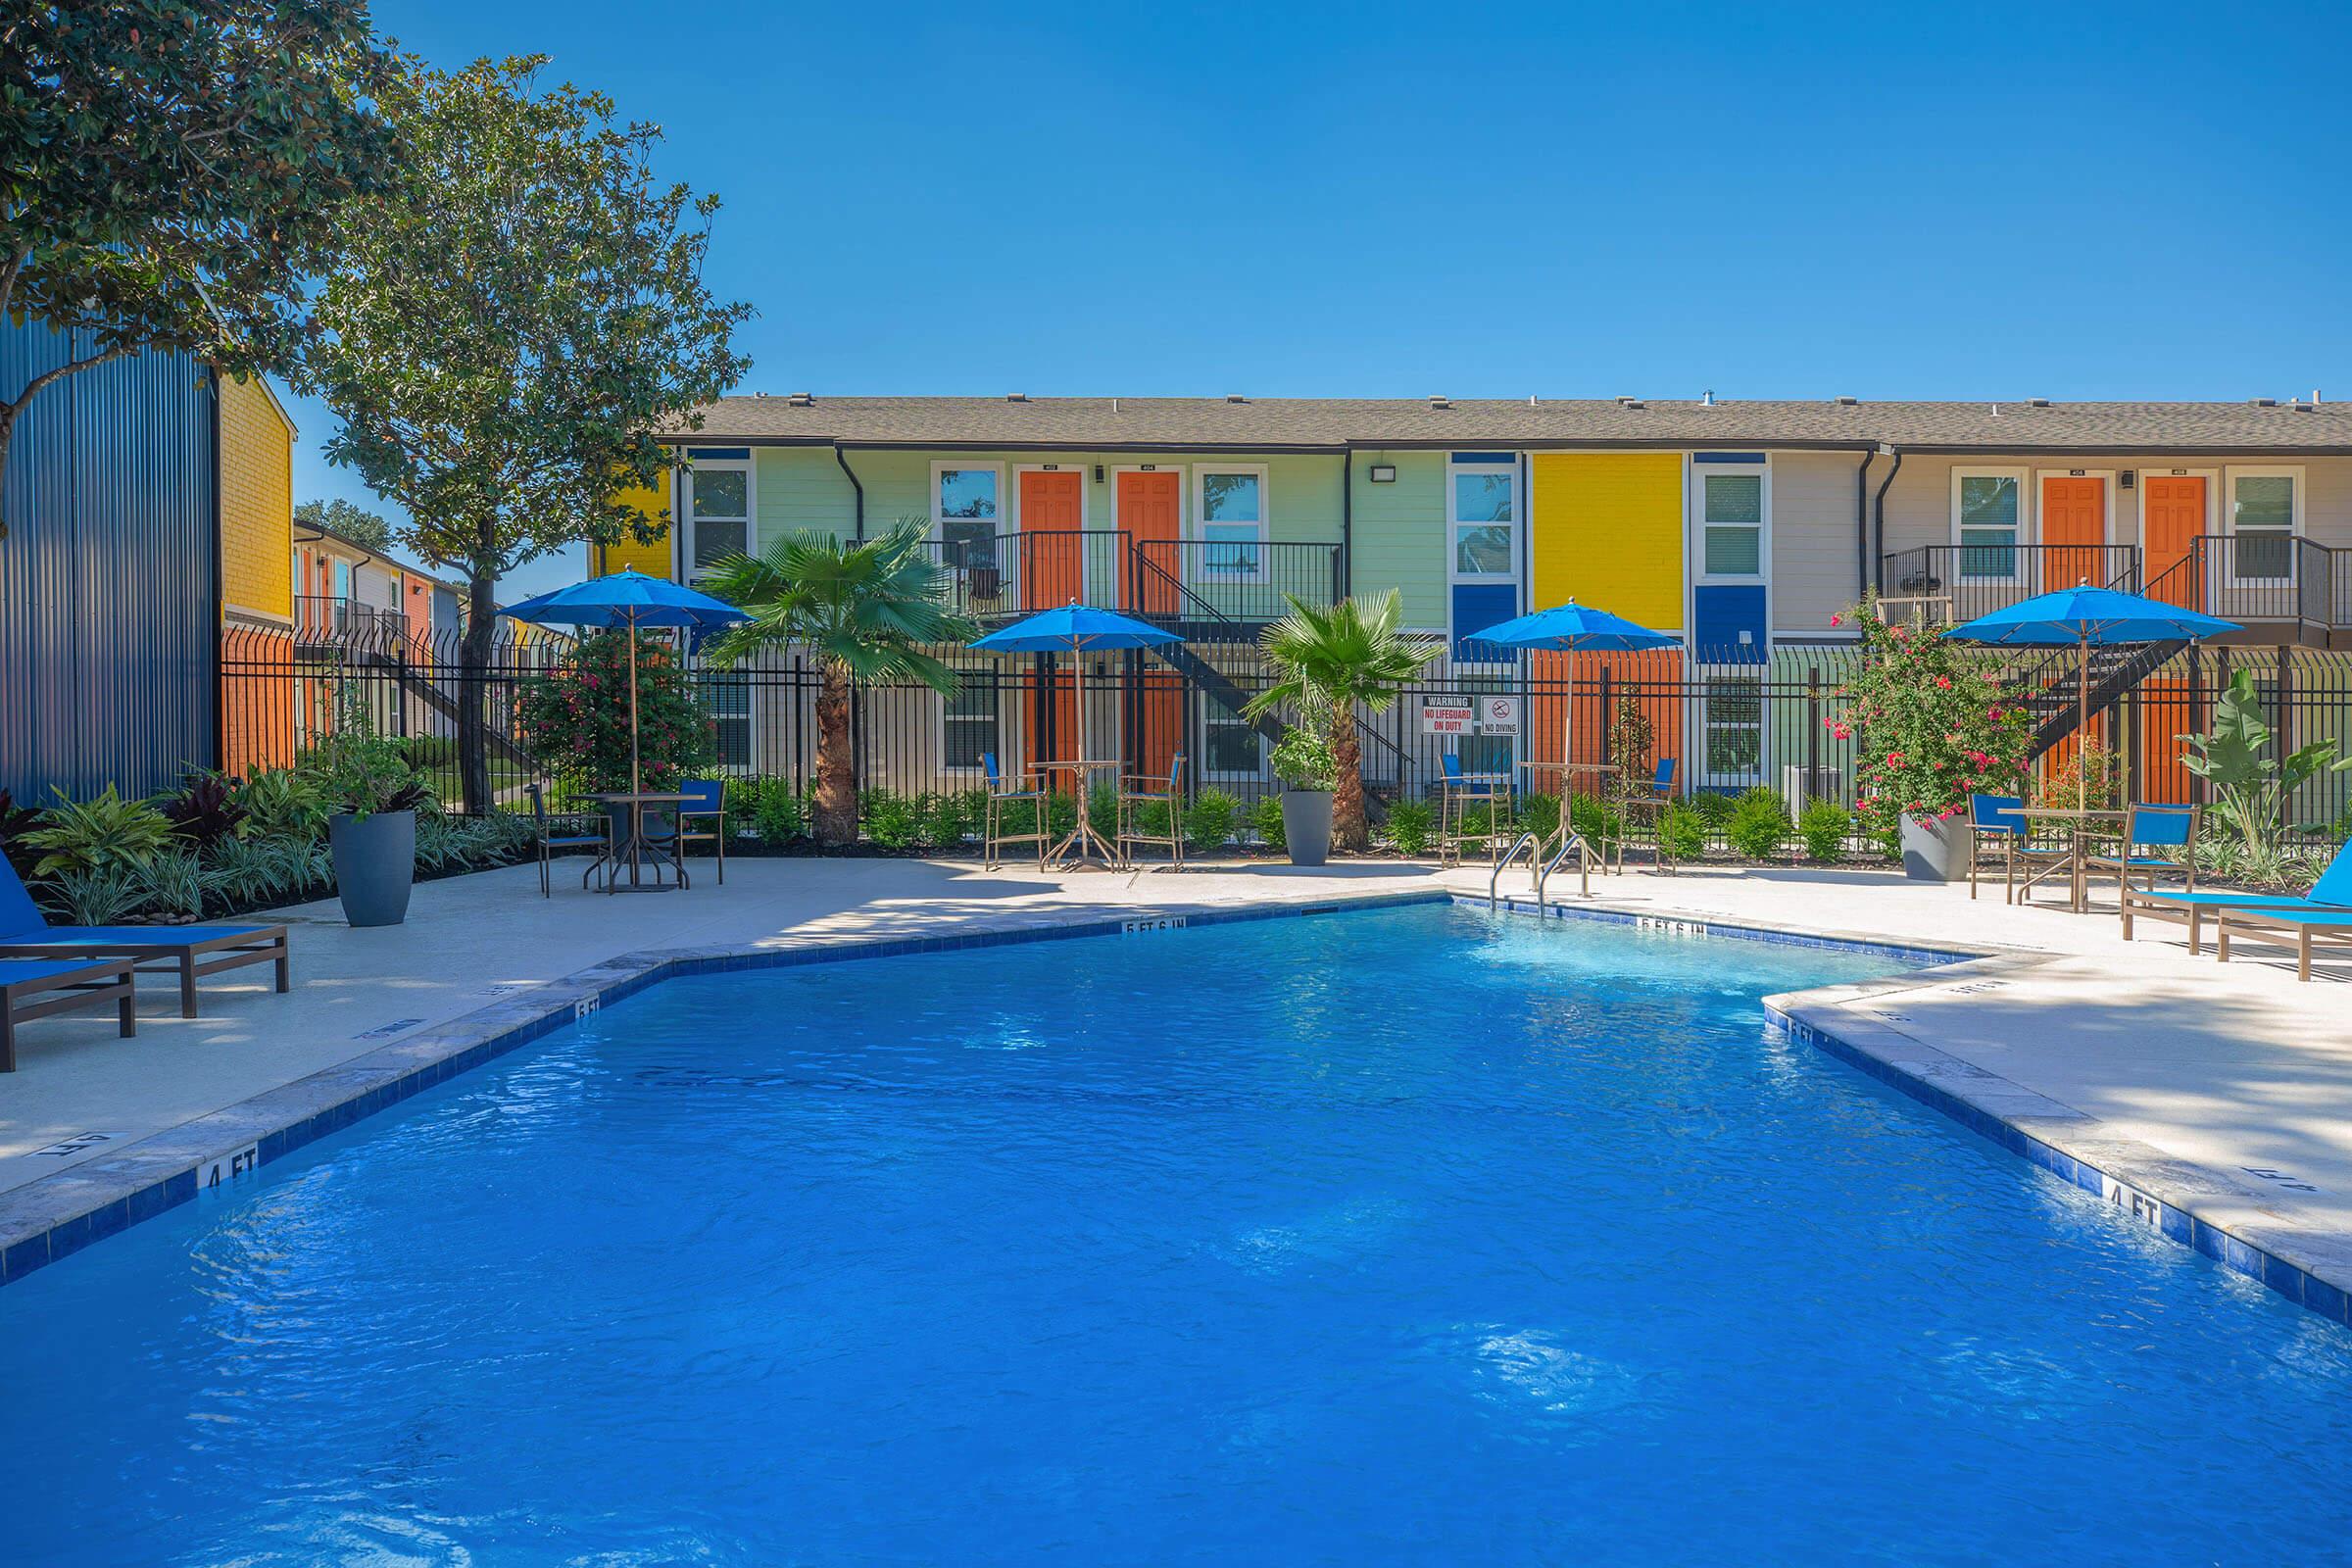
(1729, 722)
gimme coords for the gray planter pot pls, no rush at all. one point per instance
(1306, 825)
(375, 864)
(1936, 851)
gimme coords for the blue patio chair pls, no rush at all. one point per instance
(34, 987)
(2153, 827)
(189, 951)
(564, 830)
(2329, 903)
(1000, 793)
(672, 828)
(1457, 792)
(1993, 821)
(1648, 806)
(1140, 792)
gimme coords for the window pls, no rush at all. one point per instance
(2263, 514)
(968, 722)
(1229, 747)
(967, 502)
(1988, 516)
(1481, 510)
(1730, 521)
(1731, 730)
(727, 699)
(1232, 526)
(718, 505)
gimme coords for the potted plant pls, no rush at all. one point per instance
(1932, 726)
(1302, 760)
(373, 793)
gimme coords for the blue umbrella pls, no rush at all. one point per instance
(1079, 628)
(631, 600)
(1572, 628)
(2083, 615)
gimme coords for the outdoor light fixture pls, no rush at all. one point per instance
(1384, 474)
(1098, 473)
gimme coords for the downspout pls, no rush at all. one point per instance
(1878, 558)
(1862, 524)
(219, 589)
(1347, 522)
(843, 458)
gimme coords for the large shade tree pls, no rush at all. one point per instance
(1332, 661)
(507, 329)
(172, 172)
(868, 612)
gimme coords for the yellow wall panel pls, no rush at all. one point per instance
(1605, 528)
(257, 500)
(652, 559)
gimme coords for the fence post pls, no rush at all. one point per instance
(2286, 724)
(1813, 719)
(2196, 714)
(1605, 673)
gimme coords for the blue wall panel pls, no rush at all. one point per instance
(1476, 607)
(1719, 614)
(110, 628)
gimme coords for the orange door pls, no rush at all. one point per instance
(1152, 515)
(2074, 524)
(1052, 556)
(2175, 510)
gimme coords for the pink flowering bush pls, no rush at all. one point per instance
(575, 718)
(1932, 725)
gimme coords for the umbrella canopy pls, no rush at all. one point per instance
(635, 601)
(1574, 628)
(1074, 628)
(627, 599)
(2088, 614)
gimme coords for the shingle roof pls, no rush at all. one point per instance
(1324, 423)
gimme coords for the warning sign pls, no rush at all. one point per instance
(1446, 716)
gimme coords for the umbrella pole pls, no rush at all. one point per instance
(2082, 729)
(636, 786)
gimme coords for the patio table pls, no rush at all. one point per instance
(1084, 836)
(2078, 823)
(635, 849)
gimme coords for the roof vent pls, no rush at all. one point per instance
(1439, 400)
(2038, 402)
(1016, 397)
(759, 394)
(1846, 402)
(1235, 397)
(2264, 403)
(1633, 403)
(2302, 406)
(1706, 399)
(801, 400)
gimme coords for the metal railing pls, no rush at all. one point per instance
(1960, 582)
(1206, 584)
(1214, 591)
(326, 616)
(2260, 579)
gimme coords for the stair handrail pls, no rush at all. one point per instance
(1527, 840)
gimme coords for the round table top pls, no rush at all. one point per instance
(1084, 762)
(641, 798)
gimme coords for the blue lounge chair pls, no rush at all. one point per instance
(2297, 927)
(2331, 894)
(33, 988)
(189, 951)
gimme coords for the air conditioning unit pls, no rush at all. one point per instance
(1800, 785)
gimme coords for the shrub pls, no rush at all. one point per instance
(95, 896)
(1061, 814)
(1682, 832)
(1302, 759)
(1209, 819)
(1540, 814)
(1602, 823)
(1932, 723)
(779, 814)
(281, 804)
(2093, 773)
(1102, 806)
(204, 810)
(107, 834)
(1713, 807)
(1825, 826)
(943, 822)
(894, 821)
(576, 716)
(1265, 821)
(1759, 824)
(1411, 824)
(170, 887)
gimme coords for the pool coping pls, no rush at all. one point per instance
(52, 1217)
(2178, 1199)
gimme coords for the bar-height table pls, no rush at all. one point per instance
(636, 849)
(1564, 770)
(1085, 835)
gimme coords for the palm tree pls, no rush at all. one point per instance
(1333, 660)
(868, 612)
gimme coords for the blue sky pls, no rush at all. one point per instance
(2129, 201)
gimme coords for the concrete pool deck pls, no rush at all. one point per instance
(2236, 1074)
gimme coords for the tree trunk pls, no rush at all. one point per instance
(473, 692)
(1348, 827)
(835, 816)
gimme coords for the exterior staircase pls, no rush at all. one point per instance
(2051, 688)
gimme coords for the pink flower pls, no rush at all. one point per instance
(1837, 620)
(1943, 683)
(1894, 759)
(1841, 732)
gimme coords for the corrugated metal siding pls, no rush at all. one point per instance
(108, 616)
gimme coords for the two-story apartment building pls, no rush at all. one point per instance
(1743, 528)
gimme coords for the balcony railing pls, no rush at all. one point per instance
(2259, 578)
(337, 617)
(1960, 582)
(1205, 587)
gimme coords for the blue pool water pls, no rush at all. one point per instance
(1397, 1237)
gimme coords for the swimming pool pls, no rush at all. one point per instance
(1411, 1235)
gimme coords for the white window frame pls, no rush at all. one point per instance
(1699, 769)
(1454, 524)
(750, 717)
(2023, 479)
(1007, 561)
(1197, 522)
(995, 684)
(1208, 771)
(749, 468)
(1699, 473)
(2295, 523)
